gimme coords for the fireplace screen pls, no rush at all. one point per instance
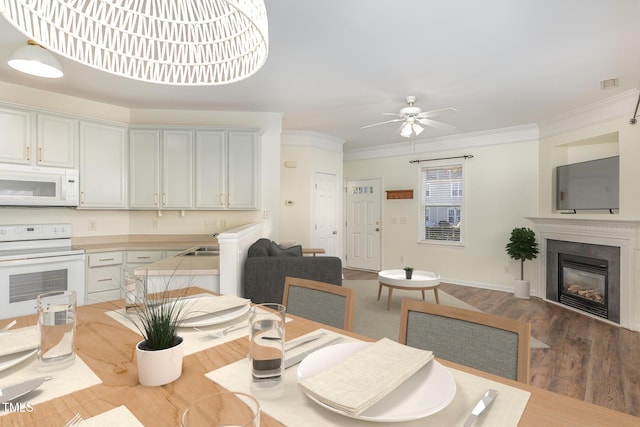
(583, 283)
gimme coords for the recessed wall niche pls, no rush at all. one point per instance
(597, 147)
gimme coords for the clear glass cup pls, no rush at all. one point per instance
(266, 353)
(57, 327)
(227, 408)
(135, 289)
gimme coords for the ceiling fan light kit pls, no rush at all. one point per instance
(35, 60)
(413, 117)
(187, 42)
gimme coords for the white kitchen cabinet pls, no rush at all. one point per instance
(38, 139)
(177, 169)
(57, 141)
(103, 166)
(104, 277)
(161, 169)
(243, 170)
(144, 168)
(210, 169)
(15, 144)
(226, 170)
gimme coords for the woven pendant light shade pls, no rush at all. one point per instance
(178, 42)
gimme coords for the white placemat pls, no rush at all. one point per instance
(194, 340)
(72, 378)
(291, 407)
(17, 340)
(120, 416)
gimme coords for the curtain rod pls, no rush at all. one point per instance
(466, 156)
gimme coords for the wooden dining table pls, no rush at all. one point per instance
(108, 348)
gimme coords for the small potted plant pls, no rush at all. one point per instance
(522, 246)
(408, 272)
(160, 353)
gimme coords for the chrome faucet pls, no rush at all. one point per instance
(214, 234)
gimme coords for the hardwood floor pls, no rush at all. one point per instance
(588, 360)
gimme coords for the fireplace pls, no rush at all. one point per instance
(583, 283)
(585, 277)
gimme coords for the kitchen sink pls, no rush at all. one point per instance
(202, 251)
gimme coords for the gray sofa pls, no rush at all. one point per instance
(268, 264)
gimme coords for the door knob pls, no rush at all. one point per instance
(335, 232)
(377, 229)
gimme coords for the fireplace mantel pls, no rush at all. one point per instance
(618, 233)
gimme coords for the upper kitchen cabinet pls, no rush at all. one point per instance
(15, 144)
(103, 166)
(38, 139)
(57, 141)
(160, 169)
(243, 161)
(226, 170)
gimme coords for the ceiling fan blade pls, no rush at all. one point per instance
(437, 125)
(382, 123)
(433, 113)
(392, 114)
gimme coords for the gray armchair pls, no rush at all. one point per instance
(267, 265)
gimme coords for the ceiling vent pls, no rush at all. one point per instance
(609, 83)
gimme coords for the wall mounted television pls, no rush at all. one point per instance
(591, 185)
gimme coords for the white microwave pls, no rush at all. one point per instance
(38, 186)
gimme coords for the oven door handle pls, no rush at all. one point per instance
(41, 260)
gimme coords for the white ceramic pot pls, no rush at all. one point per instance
(159, 367)
(521, 289)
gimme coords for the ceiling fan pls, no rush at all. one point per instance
(413, 117)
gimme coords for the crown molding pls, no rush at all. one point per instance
(312, 139)
(610, 108)
(454, 142)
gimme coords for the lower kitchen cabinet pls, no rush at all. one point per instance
(104, 277)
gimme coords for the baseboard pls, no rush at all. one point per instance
(481, 285)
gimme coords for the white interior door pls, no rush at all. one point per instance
(325, 212)
(363, 224)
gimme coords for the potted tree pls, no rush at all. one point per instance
(522, 246)
(408, 272)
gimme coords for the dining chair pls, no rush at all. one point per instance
(490, 343)
(322, 302)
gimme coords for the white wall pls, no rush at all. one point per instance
(312, 152)
(140, 222)
(501, 190)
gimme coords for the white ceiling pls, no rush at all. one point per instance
(337, 65)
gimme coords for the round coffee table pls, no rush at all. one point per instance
(420, 281)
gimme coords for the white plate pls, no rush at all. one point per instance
(426, 392)
(208, 319)
(10, 360)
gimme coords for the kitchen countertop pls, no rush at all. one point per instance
(173, 265)
(142, 242)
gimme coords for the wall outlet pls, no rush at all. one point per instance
(401, 258)
(210, 224)
(266, 214)
(507, 270)
(223, 223)
(93, 225)
(154, 223)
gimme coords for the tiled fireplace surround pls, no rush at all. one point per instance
(615, 233)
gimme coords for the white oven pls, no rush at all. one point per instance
(35, 259)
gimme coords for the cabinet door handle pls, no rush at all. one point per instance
(221, 199)
(143, 257)
(164, 198)
(28, 153)
(155, 198)
(105, 280)
(82, 197)
(39, 154)
(229, 200)
(106, 259)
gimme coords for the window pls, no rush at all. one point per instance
(441, 191)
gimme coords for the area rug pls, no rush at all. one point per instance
(373, 320)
